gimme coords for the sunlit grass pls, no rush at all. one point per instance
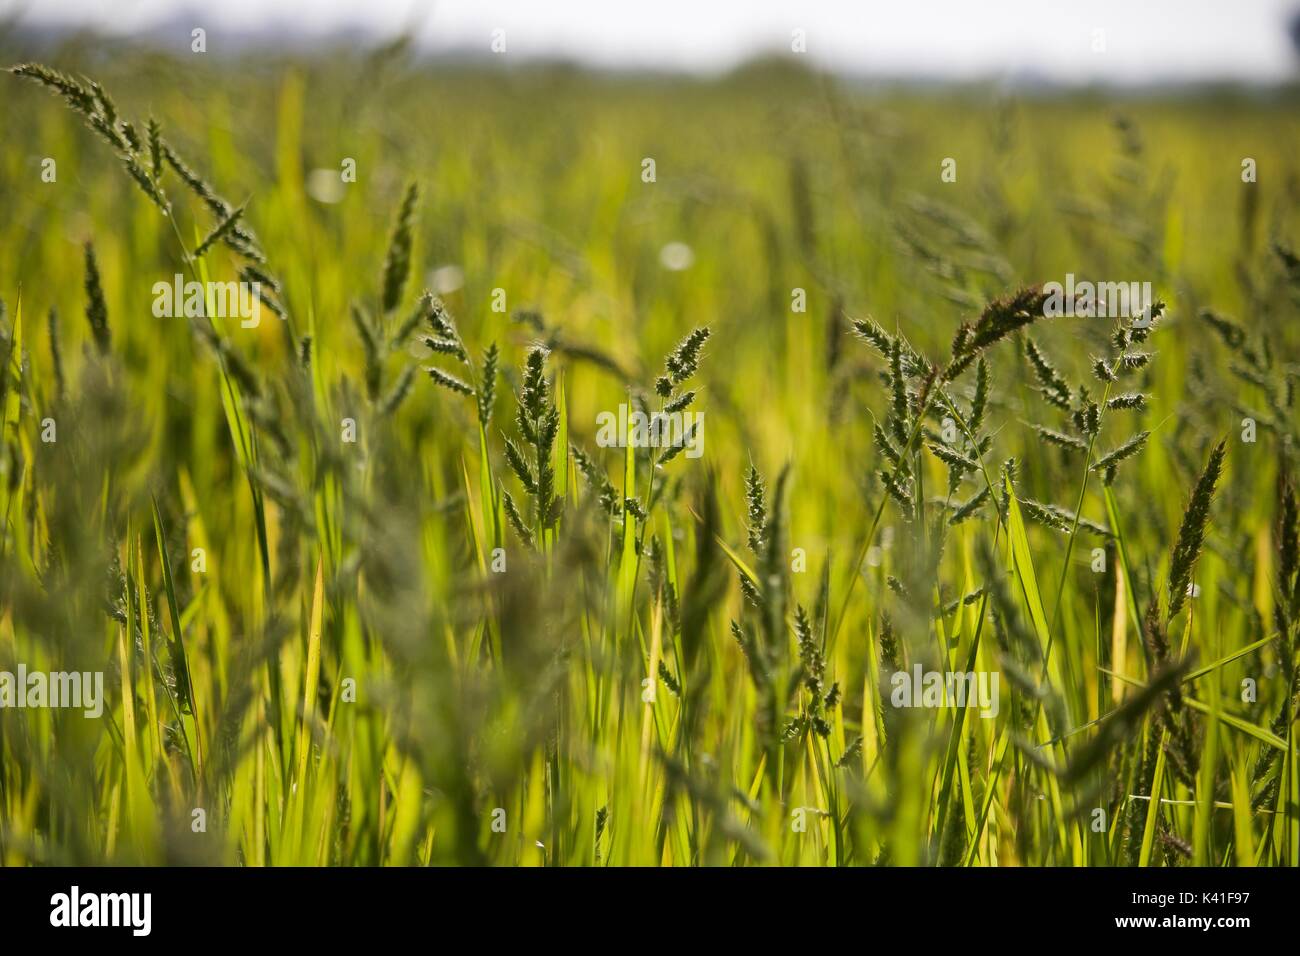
(474, 636)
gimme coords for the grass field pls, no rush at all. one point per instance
(357, 616)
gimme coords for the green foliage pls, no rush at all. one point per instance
(352, 611)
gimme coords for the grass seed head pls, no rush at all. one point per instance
(397, 263)
(96, 307)
(1191, 534)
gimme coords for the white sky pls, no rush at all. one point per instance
(1144, 39)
